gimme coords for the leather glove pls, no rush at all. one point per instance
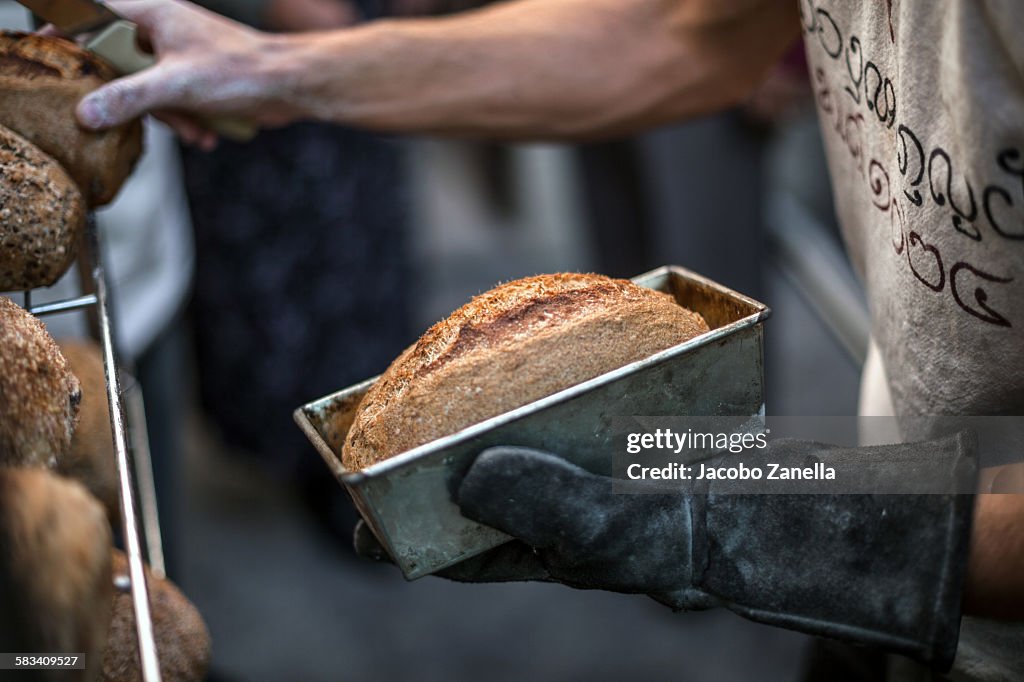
(885, 570)
(572, 529)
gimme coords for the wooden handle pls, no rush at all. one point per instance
(118, 44)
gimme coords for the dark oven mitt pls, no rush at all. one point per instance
(879, 569)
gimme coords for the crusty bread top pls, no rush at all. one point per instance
(507, 347)
(42, 215)
(42, 79)
(39, 395)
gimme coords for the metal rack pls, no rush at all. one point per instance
(127, 418)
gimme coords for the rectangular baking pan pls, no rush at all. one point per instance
(406, 500)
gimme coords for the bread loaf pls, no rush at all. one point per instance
(510, 346)
(182, 639)
(39, 395)
(42, 79)
(91, 459)
(41, 215)
(55, 581)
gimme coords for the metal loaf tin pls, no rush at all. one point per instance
(406, 500)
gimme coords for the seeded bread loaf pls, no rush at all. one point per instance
(42, 79)
(41, 215)
(182, 639)
(510, 346)
(39, 395)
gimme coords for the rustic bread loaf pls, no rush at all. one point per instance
(55, 580)
(510, 346)
(91, 459)
(41, 215)
(39, 395)
(182, 639)
(42, 79)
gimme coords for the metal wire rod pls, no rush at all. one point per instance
(143, 460)
(133, 547)
(65, 306)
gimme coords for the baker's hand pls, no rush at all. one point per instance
(206, 65)
(572, 529)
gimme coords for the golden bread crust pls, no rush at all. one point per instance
(507, 347)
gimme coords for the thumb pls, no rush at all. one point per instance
(534, 496)
(124, 99)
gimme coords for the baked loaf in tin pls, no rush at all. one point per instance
(514, 344)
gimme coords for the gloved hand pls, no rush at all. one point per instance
(572, 529)
(885, 570)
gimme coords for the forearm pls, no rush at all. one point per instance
(525, 69)
(995, 574)
(536, 68)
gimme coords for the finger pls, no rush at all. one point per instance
(533, 496)
(208, 141)
(51, 31)
(191, 131)
(148, 16)
(157, 19)
(512, 562)
(124, 99)
(367, 545)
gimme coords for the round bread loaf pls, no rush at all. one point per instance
(39, 395)
(55, 581)
(517, 343)
(41, 215)
(182, 640)
(42, 79)
(91, 459)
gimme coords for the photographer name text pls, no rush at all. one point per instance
(771, 471)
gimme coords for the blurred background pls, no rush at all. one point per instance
(308, 259)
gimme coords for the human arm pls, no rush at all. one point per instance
(521, 69)
(995, 574)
